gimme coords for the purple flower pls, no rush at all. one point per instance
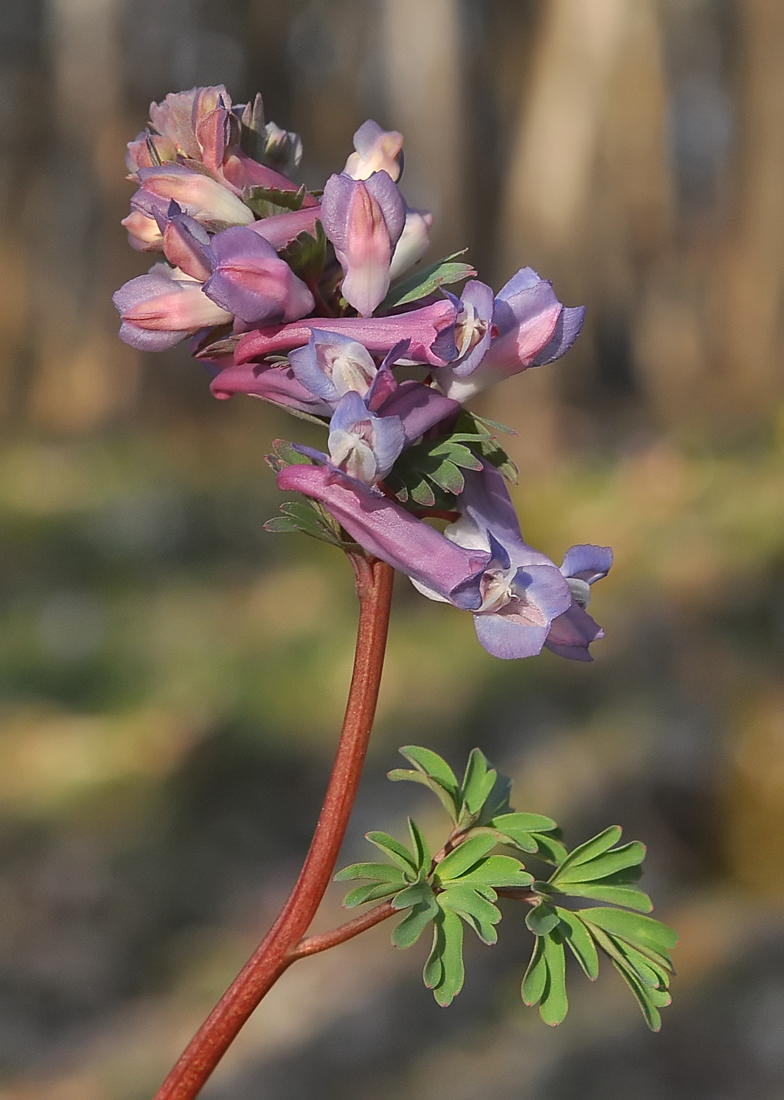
(162, 307)
(376, 150)
(331, 365)
(390, 533)
(530, 328)
(414, 242)
(251, 281)
(282, 228)
(275, 384)
(522, 591)
(418, 407)
(572, 633)
(429, 330)
(362, 444)
(186, 244)
(148, 150)
(364, 219)
(178, 117)
(198, 195)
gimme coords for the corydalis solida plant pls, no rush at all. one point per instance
(307, 300)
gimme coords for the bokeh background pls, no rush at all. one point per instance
(173, 677)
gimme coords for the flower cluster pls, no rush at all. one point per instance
(296, 297)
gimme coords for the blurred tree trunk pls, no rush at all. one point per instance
(83, 375)
(424, 68)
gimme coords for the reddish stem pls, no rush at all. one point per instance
(281, 946)
(313, 944)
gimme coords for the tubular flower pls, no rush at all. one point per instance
(530, 328)
(364, 219)
(250, 281)
(375, 150)
(572, 633)
(279, 288)
(161, 308)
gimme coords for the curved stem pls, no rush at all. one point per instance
(281, 946)
(314, 944)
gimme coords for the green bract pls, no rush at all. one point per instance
(462, 883)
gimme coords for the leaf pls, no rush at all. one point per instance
(577, 936)
(422, 494)
(415, 922)
(422, 283)
(382, 872)
(447, 476)
(413, 894)
(638, 930)
(476, 910)
(535, 977)
(464, 856)
(434, 968)
(554, 1004)
(432, 770)
(649, 1009)
(396, 851)
(453, 972)
(374, 891)
(591, 848)
(512, 825)
(478, 782)
(285, 454)
(542, 919)
(419, 847)
(306, 254)
(618, 895)
(608, 863)
(306, 518)
(548, 848)
(267, 201)
(498, 871)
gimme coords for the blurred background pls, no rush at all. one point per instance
(173, 677)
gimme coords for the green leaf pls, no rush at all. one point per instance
(268, 201)
(617, 895)
(608, 863)
(514, 825)
(498, 871)
(374, 891)
(419, 847)
(415, 922)
(382, 872)
(638, 930)
(478, 782)
(476, 910)
(447, 476)
(434, 968)
(423, 495)
(548, 848)
(434, 772)
(642, 994)
(285, 454)
(453, 972)
(422, 283)
(542, 919)
(412, 895)
(308, 519)
(579, 940)
(554, 1004)
(396, 851)
(306, 254)
(464, 857)
(535, 978)
(590, 849)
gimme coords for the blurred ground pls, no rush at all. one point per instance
(173, 678)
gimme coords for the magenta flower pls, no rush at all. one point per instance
(430, 331)
(572, 633)
(251, 281)
(276, 384)
(186, 244)
(161, 308)
(179, 116)
(530, 328)
(364, 219)
(282, 228)
(390, 533)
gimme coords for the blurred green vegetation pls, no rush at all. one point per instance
(173, 677)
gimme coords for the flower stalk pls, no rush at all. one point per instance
(284, 943)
